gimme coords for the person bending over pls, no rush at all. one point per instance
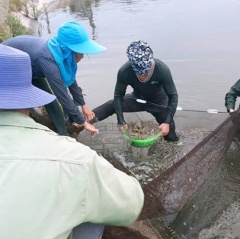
(54, 67)
(53, 187)
(154, 90)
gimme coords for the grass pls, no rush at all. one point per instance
(12, 26)
(16, 5)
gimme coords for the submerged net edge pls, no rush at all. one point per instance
(176, 180)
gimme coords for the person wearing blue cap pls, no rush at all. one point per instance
(154, 91)
(54, 66)
(51, 186)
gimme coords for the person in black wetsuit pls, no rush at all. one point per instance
(152, 83)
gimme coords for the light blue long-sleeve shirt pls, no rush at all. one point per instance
(49, 184)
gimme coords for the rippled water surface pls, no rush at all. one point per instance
(200, 41)
(215, 211)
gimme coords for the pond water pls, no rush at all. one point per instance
(200, 42)
(215, 211)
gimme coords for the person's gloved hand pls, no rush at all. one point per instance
(122, 127)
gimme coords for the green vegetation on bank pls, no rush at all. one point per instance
(12, 26)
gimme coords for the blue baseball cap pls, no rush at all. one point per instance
(16, 89)
(75, 37)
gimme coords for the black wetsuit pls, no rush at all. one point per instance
(159, 92)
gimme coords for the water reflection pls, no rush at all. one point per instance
(83, 9)
(198, 40)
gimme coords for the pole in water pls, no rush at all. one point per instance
(211, 111)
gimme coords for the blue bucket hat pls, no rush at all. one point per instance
(16, 89)
(75, 37)
(140, 55)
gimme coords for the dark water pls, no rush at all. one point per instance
(215, 211)
(200, 41)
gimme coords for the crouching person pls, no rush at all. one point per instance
(52, 187)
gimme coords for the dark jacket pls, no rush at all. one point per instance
(231, 96)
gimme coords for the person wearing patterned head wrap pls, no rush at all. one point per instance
(141, 56)
(154, 90)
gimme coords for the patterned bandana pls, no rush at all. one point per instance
(140, 55)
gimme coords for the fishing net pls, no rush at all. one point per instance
(167, 193)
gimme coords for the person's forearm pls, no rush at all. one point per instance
(54, 78)
(172, 106)
(69, 107)
(76, 92)
(77, 116)
(119, 111)
(120, 90)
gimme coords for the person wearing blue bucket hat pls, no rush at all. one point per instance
(16, 89)
(52, 186)
(54, 67)
(154, 91)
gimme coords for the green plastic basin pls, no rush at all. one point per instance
(142, 143)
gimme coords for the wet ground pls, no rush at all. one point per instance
(214, 210)
(201, 217)
(162, 154)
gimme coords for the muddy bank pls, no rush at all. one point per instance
(22, 14)
(3, 10)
